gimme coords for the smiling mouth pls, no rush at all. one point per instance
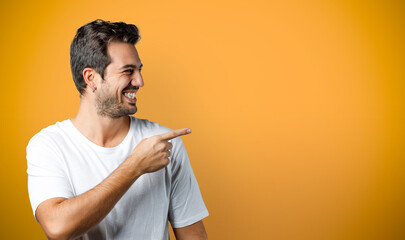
(130, 95)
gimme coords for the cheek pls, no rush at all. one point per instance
(119, 96)
(119, 93)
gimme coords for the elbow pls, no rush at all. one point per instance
(54, 223)
(56, 231)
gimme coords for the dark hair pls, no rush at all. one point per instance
(89, 47)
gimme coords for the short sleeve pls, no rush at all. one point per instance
(186, 203)
(46, 176)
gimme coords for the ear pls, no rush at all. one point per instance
(89, 76)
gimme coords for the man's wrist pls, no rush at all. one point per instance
(133, 165)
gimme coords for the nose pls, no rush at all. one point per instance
(137, 80)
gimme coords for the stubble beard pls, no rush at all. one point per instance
(109, 106)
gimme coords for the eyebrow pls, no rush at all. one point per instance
(131, 66)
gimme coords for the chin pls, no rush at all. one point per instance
(132, 110)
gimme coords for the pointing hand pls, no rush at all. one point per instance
(152, 154)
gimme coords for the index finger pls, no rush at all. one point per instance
(175, 133)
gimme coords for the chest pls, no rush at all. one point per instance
(144, 206)
(86, 168)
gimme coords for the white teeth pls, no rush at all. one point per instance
(130, 95)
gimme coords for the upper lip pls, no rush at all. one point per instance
(130, 90)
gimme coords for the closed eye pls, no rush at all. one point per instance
(129, 71)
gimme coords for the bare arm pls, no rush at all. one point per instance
(63, 218)
(195, 231)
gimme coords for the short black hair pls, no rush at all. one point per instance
(89, 47)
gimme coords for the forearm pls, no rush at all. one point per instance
(74, 217)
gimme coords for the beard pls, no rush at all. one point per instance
(109, 106)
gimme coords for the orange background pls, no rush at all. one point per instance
(296, 107)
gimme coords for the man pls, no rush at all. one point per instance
(104, 174)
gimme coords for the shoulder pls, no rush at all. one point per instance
(148, 128)
(49, 136)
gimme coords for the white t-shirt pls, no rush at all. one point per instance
(64, 163)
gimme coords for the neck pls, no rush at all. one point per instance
(101, 130)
